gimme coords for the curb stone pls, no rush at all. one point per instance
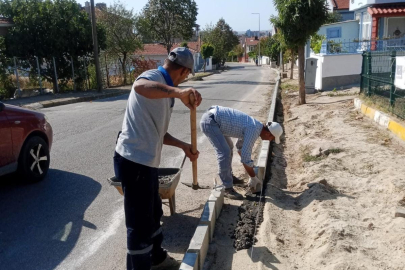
(195, 256)
(69, 100)
(264, 152)
(381, 119)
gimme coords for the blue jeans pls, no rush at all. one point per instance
(143, 210)
(223, 146)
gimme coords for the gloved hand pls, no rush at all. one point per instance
(255, 184)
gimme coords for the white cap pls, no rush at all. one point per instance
(275, 129)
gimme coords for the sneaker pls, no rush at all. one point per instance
(237, 181)
(168, 264)
(230, 193)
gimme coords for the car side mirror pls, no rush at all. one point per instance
(2, 106)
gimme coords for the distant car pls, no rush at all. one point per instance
(25, 142)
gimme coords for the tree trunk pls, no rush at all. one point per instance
(292, 65)
(124, 69)
(55, 85)
(301, 64)
(106, 71)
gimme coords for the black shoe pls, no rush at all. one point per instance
(230, 193)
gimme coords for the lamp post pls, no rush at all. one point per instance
(260, 58)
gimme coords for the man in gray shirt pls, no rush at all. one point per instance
(137, 156)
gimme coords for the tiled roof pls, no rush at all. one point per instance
(251, 41)
(387, 10)
(159, 49)
(341, 4)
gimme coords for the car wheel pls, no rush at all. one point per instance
(34, 159)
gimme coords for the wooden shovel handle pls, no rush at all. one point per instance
(193, 125)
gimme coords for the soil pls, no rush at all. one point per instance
(336, 180)
(165, 179)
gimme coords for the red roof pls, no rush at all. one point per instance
(159, 49)
(251, 41)
(341, 4)
(387, 10)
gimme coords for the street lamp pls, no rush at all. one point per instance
(260, 59)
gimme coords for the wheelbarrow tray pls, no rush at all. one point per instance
(166, 190)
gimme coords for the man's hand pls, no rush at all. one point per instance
(184, 96)
(187, 150)
(255, 184)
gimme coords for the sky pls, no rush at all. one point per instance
(237, 13)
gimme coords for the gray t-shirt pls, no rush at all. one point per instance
(145, 124)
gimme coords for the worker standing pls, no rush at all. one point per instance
(138, 151)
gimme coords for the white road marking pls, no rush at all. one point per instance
(93, 244)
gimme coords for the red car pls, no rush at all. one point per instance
(25, 142)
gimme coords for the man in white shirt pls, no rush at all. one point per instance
(220, 124)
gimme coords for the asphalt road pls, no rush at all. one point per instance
(74, 219)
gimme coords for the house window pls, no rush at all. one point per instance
(334, 32)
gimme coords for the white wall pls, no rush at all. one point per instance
(336, 65)
(356, 4)
(209, 64)
(265, 60)
(159, 58)
(350, 30)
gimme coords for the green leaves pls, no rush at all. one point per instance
(207, 50)
(222, 38)
(48, 29)
(299, 19)
(165, 20)
(119, 24)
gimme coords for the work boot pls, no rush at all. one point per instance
(230, 193)
(168, 264)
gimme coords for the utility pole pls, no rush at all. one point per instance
(260, 58)
(95, 47)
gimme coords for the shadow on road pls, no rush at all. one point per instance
(178, 231)
(41, 223)
(121, 97)
(241, 82)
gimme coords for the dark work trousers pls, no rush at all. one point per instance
(143, 210)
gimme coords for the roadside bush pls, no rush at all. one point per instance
(141, 65)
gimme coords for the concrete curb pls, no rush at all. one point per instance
(381, 119)
(64, 101)
(264, 152)
(197, 251)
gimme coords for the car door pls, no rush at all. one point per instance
(6, 143)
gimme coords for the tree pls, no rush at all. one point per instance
(334, 17)
(271, 47)
(222, 39)
(121, 37)
(47, 29)
(6, 84)
(184, 44)
(316, 42)
(298, 20)
(231, 55)
(165, 20)
(207, 50)
(239, 50)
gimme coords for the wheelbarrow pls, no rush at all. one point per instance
(167, 190)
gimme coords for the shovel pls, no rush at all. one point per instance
(193, 125)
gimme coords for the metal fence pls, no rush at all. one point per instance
(378, 80)
(335, 46)
(22, 77)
